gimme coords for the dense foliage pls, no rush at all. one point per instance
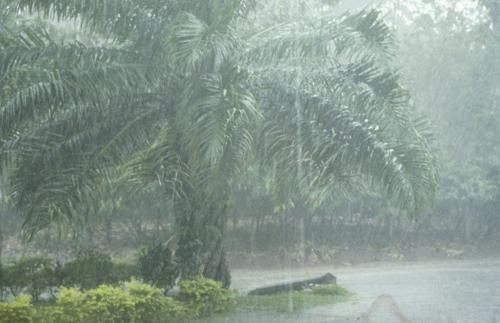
(205, 296)
(157, 266)
(39, 275)
(455, 81)
(132, 302)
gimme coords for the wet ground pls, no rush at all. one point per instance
(458, 292)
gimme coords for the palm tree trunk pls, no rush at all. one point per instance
(1, 235)
(189, 246)
(90, 234)
(109, 230)
(201, 240)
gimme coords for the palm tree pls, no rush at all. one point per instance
(188, 94)
(174, 109)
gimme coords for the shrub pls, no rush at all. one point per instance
(134, 303)
(59, 274)
(68, 307)
(36, 275)
(206, 296)
(18, 310)
(89, 270)
(152, 306)
(109, 304)
(123, 272)
(156, 266)
(49, 314)
(31, 274)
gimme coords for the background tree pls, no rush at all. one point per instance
(452, 67)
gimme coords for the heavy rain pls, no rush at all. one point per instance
(254, 161)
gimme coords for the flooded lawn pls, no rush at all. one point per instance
(459, 292)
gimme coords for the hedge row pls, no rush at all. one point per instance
(39, 275)
(130, 302)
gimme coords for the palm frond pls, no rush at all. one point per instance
(375, 33)
(338, 144)
(40, 76)
(113, 18)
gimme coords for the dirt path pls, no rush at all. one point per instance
(459, 292)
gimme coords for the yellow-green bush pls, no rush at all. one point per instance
(68, 308)
(152, 306)
(69, 302)
(18, 310)
(133, 302)
(205, 296)
(108, 304)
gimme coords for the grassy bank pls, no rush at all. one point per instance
(260, 308)
(294, 301)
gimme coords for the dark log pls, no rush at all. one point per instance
(296, 285)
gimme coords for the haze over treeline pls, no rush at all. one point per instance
(244, 132)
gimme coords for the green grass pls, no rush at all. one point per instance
(294, 301)
(268, 308)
